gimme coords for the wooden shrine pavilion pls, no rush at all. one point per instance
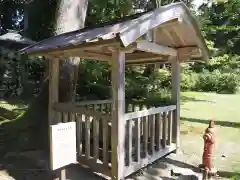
(168, 34)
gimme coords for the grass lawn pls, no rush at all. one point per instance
(11, 110)
(196, 111)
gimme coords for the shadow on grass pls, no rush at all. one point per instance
(187, 98)
(220, 123)
(6, 114)
(226, 174)
(21, 168)
(182, 164)
(223, 174)
(19, 102)
(29, 130)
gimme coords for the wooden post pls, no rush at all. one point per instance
(118, 110)
(53, 90)
(53, 98)
(176, 100)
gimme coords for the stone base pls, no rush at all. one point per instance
(212, 172)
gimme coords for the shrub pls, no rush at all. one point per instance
(217, 82)
(227, 83)
(161, 78)
(188, 80)
(237, 177)
(162, 96)
(207, 81)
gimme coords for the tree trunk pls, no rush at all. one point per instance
(70, 15)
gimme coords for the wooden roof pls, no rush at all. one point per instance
(153, 36)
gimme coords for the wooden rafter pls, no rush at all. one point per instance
(73, 48)
(187, 52)
(155, 48)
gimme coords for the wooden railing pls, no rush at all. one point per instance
(103, 106)
(134, 107)
(93, 132)
(148, 136)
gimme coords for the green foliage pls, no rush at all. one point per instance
(210, 81)
(221, 23)
(227, 83)
(188, 80)
(207, 81)
(160, 78)
(237, 177)
(157, 98)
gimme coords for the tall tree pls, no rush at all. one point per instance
(70, 16)
(221, 24)
(59, 17)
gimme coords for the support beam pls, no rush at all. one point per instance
(118, 110)
(176, 99)
(72, 47)
(53, 99)
(82, 54)
(187, 52)
(143, 56)
(147, 61)
(155, 48)
(53, 89)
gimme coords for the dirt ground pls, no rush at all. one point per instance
(16, 167)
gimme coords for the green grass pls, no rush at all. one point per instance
(11, 110)
(225, 111)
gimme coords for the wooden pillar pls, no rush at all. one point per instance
(54, 98)
(118, 110)
(176, 99)
(53, 90)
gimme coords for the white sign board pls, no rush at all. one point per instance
(62, 145)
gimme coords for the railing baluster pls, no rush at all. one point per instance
(110, 108)
(141, 124)
(87, 137)
(65, 117)
(145, 136)
(129, 142)
(158, 131)
(59, 117)
(169, 141)
(79, 133)
(72, 117)
(137, 139)
(105, 138)
(152, 137)
(105, 109)
(164, 129)
(96, 135)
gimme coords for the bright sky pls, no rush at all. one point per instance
(198, 2)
